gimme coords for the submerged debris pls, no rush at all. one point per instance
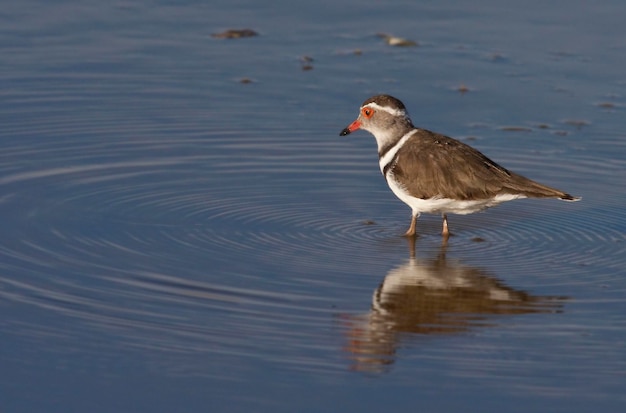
(577, 123)
(516, 129)
(497, 57)
(306, 62)
(235, 34)
(397, 41)
(606, 105)
(462, 89)
(356, 52)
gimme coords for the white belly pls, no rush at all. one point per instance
(446, 205)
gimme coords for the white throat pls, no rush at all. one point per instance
(384, 137)
(391, 153)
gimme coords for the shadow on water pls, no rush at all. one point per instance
(433, 296)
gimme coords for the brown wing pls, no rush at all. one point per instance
(432, 165)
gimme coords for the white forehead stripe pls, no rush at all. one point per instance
(393, 112)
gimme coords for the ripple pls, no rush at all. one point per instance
(230, 241)
(167, 245)
(215, 196)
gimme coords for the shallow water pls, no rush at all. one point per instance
(177, 240)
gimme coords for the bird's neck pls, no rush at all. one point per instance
(389, 138)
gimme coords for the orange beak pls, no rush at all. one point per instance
(351, 128)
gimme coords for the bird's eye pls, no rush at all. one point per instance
(367, 112)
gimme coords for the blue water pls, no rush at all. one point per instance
(184, 230)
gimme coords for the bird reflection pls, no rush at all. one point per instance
(433, 296)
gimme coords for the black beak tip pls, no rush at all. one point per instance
(345, 132)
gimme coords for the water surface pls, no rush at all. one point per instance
(175, 239)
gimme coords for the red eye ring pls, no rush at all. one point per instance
(367, 112)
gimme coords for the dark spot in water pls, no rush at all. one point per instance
(235, 34)
(306, 62)
(516, 129)
(397, 41)
(543, 126)
(497, 57)
(369, 222)
(478, 239)
(606, 105)
(578, 123)
(462, 89)
(245, 80)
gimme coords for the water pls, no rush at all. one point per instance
(175, 239)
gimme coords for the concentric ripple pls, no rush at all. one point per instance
(178, 245)
(185, 241)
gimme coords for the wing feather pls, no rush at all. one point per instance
(431, 165)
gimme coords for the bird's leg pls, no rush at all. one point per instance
(411, 231)
(445, 232)
(411, 243)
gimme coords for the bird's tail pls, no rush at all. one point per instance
(532, 189)
(570, 198)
